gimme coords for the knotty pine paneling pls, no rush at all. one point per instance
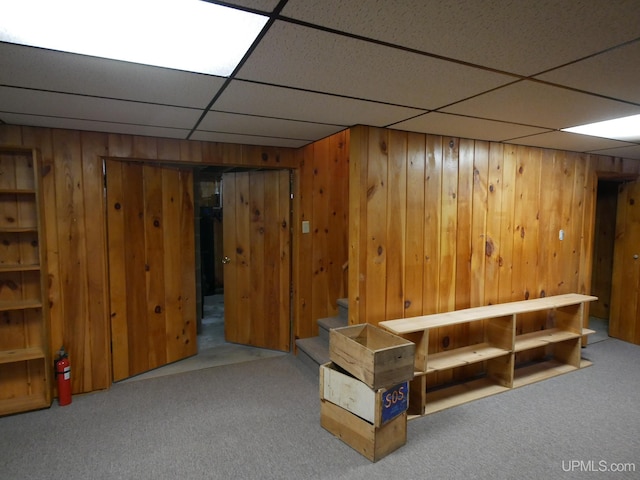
(75, 225)
(257, 232)
(489, 218)
(489, 214)
(321, 189)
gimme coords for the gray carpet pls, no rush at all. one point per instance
(260, 420)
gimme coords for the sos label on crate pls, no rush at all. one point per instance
(395, 401)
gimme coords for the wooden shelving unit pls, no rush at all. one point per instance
(25, 362)
(555, 348)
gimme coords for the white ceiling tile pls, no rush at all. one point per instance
(70, 73)
(630, 151)
(262, 5)
(513, 36)
(568, 141)
(296, 56)
(613, 74)
(94, 126)
(49, 104)
(265, 126)
(541, 105)
(247, 139)
(465, 127)
(252, 98)
(301, 74)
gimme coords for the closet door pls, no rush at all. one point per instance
(624, 322)
(256, 250)
(150, 222)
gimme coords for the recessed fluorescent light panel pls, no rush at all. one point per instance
(189, 35)
(625, 129)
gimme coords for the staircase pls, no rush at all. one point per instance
(314, 351)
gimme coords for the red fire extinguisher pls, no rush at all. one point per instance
(63, 375)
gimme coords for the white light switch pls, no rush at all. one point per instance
(561, 234)
(305, 226)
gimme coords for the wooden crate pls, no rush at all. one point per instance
(374, 356)
(372, 442)
(375, 406)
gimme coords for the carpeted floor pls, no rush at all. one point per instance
(260, 420)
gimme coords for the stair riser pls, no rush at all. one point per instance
(323, 333)
(308, 362)
(343, 309)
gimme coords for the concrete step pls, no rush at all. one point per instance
(314, 351)
(326, 324)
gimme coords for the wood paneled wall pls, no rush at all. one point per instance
(73, 188)
(428, 224)
(321, 188)
(444, 223)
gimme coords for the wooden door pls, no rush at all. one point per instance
(256, 247)
(151, 266)
(624, 322)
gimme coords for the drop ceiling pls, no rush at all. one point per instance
(501, 70)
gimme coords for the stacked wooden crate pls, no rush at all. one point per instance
(364, 390)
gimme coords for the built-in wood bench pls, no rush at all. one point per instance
(560, 337)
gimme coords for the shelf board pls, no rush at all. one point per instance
(18, 229)
(19, 305)
(19, 191)
(21, 355)
(23, 404)
(540, 371)
(416, 324)
(541, 338)
(460, 357)
(453, 396)
(19, 267)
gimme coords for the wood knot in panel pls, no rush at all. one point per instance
(489, 247)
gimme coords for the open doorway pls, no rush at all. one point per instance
(244, 248)
(243, 313)
(209, 273)
(603, 250)
(215, 346)
(616, 264)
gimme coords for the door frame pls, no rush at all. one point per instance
(196, 167)
(611, 177)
